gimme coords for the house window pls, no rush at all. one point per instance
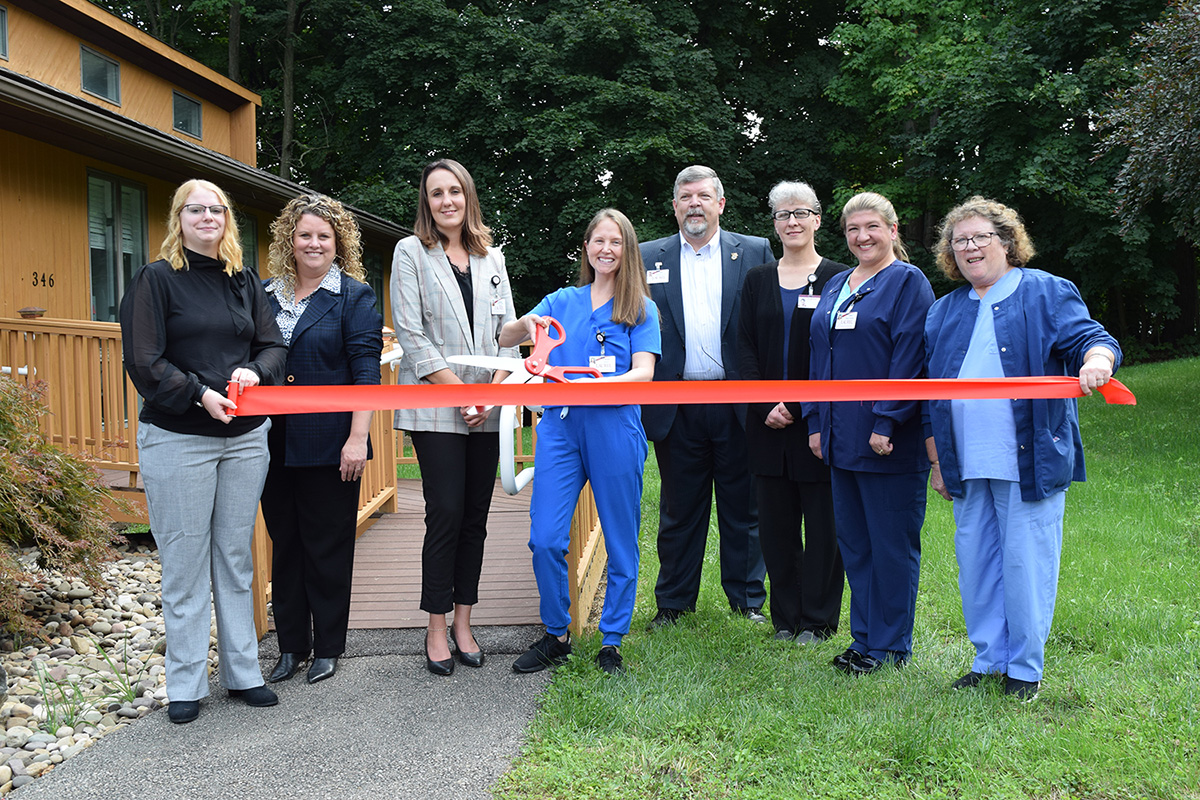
(116, 240)
(186, 114)
(4, 33)
(100, 75)
(372, 263)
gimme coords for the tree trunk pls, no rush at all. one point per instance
(235, 40)
(289, 91)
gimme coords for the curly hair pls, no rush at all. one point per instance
(229, 249)
(631, 290)
(281, 259)
(476, 237)
(1007, 222)
(871, 201)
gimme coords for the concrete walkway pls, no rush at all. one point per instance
(381, 728)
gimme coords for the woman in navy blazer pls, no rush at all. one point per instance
(870, 323)
(310, 502)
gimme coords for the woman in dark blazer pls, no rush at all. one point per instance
(791, 483)
(310, 502)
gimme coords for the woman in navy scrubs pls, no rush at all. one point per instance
(870, 324)
(611, 324)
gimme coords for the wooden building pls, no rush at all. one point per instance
(99, 122)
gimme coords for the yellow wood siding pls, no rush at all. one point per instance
(51, 55)
(43, 226)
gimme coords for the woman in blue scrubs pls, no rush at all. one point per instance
(611, 324)
(1007, 463)
(870, 324)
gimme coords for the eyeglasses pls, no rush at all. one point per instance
(799, 213)
(197, 209)
(980, 240)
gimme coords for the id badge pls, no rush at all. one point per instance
(846, 321)
(809, 301)
(606, 364)
(658, 276)
(498, 306)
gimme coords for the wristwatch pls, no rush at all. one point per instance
(203, 389)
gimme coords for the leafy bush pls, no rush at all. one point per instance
(49, 499)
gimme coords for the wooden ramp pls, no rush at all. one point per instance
(387, 566)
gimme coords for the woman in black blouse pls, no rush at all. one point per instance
(192, 322)
(791, 483)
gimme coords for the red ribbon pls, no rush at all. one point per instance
(260, 400)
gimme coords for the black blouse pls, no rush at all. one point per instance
(184, 329)
(780, 453)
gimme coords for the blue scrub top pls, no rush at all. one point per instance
(573, 308)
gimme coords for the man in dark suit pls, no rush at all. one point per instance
(695, 279)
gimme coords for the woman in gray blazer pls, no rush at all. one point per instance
(451, 296)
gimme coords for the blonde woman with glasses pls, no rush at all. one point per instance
(190, 323)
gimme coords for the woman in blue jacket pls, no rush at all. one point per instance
(310, 501)
(869, 325)
(611, 324)
(1007, 463)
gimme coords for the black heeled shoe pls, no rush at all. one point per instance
(287, 666)
(473, 659)
(444, 667)
(322, 668)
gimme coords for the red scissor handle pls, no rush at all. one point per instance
(538, 362)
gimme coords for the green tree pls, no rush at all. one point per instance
(966, 97)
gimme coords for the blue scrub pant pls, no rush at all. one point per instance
(1008, 556)
(879, 519)
(607, 446)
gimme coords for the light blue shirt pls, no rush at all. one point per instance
(985, 433)
(700, 273)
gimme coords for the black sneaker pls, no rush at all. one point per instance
(546, 652)
(609, 660)
(1025, 691)
(968, 681)
(846, 660)
(754, 614)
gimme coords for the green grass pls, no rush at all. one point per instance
(715, 708)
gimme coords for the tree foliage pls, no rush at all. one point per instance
(562, 107)
(1156, 121)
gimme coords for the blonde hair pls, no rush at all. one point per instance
(476, 237)
(229, 249)
(1005, 220)
(281, 260)
(871, 201)
(631, 290)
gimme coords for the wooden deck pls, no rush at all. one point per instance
(387, 566)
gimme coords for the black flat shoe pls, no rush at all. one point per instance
(256, 696)
(473, 659)
(845, 661)
(444, 667)
(182, 711)
(322, 668)
(287, 666)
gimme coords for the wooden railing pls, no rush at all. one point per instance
(93, 409)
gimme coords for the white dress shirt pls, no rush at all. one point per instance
(700, 283)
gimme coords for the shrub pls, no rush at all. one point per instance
(49, 499)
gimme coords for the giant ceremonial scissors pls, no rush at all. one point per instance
(535, 368)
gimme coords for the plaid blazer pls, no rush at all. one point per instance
(431, 325)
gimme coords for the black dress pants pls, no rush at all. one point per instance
(805, 569)
(458, 475)
(311, 515)
(704, 451)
